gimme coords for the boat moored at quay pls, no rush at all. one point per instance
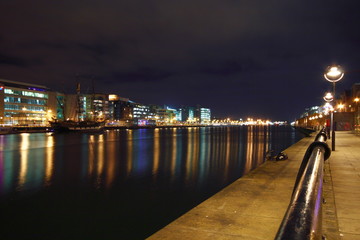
(72, 126)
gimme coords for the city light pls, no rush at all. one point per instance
(249, 122)
(340, 106)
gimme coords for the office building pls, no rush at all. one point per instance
(24, 104)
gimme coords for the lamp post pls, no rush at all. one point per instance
(328, 98)
(333, 74)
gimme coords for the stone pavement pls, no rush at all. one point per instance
(344, 165)
(253, 206)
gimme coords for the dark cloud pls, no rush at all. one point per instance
(10, 60)
(236, 57)
(141, 75)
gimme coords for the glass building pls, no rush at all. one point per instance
(23, 104)
(205, 115)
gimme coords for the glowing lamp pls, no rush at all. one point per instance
(328, 97)
(333, 73)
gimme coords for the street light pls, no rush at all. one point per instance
(328, 97)
(333, 74)
(329, 108)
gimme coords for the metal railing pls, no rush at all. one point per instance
(303, 218)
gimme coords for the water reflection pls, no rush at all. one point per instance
(125, 174)
(191, 157)
(24, 151)
(129, 152)
(49, 156)
(111, 161)
(156, 150)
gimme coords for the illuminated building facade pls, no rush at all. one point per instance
(119, 108)
(196, 114)
(179, 114)
(166, 115)
(24, 104)
(80, 107)
(35, 105)
(186, 114)
(205, 115)
(142, 116)
(100, 107)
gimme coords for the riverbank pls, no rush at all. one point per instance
(250, 208)
(32, 129)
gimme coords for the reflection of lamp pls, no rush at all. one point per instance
(333, 74)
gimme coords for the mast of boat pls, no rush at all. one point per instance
(78, 101)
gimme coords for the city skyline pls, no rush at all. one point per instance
(240, 59)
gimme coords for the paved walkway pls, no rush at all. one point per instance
(345, 173)
(253, 206)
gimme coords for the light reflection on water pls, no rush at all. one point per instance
(170, 169)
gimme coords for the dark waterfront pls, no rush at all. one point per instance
(123, 184)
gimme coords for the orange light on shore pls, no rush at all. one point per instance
(340, 106)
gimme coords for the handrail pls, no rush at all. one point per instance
(303, 217)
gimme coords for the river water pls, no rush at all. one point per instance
(122, 184)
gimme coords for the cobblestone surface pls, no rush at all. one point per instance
(345, 173)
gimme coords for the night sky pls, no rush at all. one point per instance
(240, 58)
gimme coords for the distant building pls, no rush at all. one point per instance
(56, 106)
(188, 114)
(80, 107)
(119, 108)
(179, 114)
(166, 116)
(100, 107)
(346, 112)
(205, 115)
(192, 115)
(24, 104)
(142, 116)
(311, 111)
(30, 104)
